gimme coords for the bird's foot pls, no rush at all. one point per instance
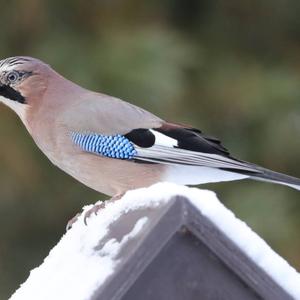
(97, 207)
(72, 221)
(94, 210)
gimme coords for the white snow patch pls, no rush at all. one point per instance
(112, 247)
(71, 270)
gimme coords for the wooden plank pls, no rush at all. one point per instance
(183, 255)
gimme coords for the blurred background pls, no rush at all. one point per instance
(230, 68)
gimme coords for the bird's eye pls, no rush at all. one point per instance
(12, 76)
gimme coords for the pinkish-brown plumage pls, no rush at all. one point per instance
(52, 108)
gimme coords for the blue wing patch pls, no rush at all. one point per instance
(114, 146)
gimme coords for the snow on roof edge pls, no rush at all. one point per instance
(75, 249)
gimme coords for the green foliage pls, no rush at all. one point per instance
(230, 68)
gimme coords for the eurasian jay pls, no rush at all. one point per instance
(110, 145)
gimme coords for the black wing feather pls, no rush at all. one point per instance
(188, 138)
(141, 137)
(193, 139)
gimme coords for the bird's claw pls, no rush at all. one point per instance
(93, 210)
(86, 215)
(72, 221)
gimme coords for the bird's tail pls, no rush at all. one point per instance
(275, 177)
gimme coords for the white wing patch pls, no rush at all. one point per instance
(163, 140)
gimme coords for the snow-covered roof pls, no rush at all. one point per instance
(84, 259)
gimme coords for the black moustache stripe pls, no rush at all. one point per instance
(8, 92)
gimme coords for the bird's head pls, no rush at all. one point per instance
(22, 82)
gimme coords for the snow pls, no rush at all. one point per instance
(71, 270)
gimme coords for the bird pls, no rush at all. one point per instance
(113, 146)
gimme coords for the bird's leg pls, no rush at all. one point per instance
(94, 210)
